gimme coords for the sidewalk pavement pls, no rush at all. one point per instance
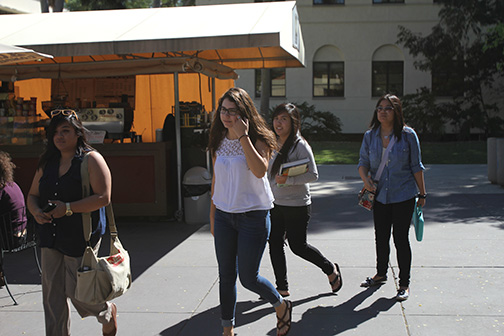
(456, 283)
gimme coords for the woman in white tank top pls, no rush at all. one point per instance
(241, 145)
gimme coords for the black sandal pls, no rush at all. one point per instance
(338, 277)
(282, 322)
(369, 282)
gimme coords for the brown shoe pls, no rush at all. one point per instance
(111, 323)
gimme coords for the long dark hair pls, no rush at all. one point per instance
(292, 139)
(53, 153)
(6, 169)
(398, 114)
(258, 128)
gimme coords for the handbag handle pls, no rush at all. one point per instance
(86, 216)
(385, 158)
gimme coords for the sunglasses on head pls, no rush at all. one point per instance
(386, 108)
(64, 112)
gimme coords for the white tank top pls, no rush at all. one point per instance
(236, 188)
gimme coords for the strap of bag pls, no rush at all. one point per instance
(86, 216)
(385, 158)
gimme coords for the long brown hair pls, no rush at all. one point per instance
(398, 114)
(51, 152)
(258, 128)
(292, 140)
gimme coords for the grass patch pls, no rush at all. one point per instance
(467, 152)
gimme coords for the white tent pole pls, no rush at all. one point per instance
(208, 160)
(178, 213)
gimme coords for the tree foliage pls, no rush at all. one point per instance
(315, 125)
(421, 113)
(85, 5)
(467, 41)
(495, 40)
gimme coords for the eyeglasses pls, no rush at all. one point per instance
(64, 112)
(386, 108)
(230, 112)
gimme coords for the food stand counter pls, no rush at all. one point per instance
(142, 183)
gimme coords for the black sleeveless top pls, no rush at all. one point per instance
(65, 234)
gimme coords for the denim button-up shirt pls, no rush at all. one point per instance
(397, 182)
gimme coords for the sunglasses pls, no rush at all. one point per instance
(386, 108)
(64, 112)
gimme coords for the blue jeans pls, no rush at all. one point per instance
(240, 240)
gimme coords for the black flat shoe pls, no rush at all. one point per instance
(370, 282)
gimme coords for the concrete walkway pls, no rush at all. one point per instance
(456, 288)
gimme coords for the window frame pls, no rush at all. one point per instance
(328, 2)
(258, 83)
(374, 90)
(338, 93)
(387, 2)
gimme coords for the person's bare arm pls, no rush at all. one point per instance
(212, 205)
(419, 178)
(257, 156)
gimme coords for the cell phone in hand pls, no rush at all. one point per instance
(50, 206)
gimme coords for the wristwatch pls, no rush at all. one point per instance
(422, 196)
(69, 211)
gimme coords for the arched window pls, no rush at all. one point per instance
(328, 73)
(388, 71)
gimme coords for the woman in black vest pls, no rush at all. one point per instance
(58, 181)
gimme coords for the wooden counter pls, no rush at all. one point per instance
(143, 175)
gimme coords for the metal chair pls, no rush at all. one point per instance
(16, 238)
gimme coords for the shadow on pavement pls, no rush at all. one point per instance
(325, 321)
(207, 321)
(444, 208)
(146, 242)
(465, 209)
(319, 320)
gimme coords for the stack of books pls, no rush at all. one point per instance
(294, 168)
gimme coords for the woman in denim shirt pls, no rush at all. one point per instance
(401, 182)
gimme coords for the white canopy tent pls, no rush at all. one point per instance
(11, 55)
(213, 40)
(157, 40)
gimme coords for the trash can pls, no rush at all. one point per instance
(196, 187)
